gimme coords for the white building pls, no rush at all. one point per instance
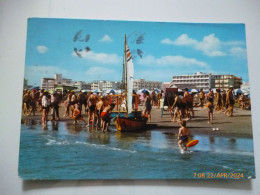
(198, 80)
(67, 82)
(150, 85)
(81, 85)
(206, 81)
(58, 78)
(105, 85)
(47, 83)
(245, 87)
(108, 85)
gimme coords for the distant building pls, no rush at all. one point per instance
(167, 85)
(105, 85)
(225, 81)
(198, 80)
(108, 85)
(206, 81)
(50, 83)
(81, 85)
(47, 83)
(150, 85)
(67, 82)
(245, 86)
(25, 83)
(58, 79)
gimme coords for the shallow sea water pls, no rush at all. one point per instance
(65, 151)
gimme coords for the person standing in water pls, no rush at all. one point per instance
(183, 136)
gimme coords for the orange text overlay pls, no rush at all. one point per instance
(218, 175)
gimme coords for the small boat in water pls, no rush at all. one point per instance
(129, 120)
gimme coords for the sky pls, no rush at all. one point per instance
(87, 50)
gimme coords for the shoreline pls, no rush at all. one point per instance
(240, 125)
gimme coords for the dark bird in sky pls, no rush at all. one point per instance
(87, 49)
(77, 36)
(140, 39)
(140, 53)
(78, 53)
(87, 38)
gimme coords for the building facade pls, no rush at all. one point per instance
(225, 81)
(150, 85)
(47, 83)
(58, 79)
(50, 83)
(105, 85)
(206, 81)
(199, 80)
(81, 85)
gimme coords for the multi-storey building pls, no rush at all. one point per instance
(58, 79)
(105, 85)
(198, 80)
(47, 83)
(206, 81)
(245, 86)
(81, 85)
(150, 85)
(50, 83)
(67, 82)
(108, 85)
(225, 81)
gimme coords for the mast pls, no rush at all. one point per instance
(125, 66)
(125, 75)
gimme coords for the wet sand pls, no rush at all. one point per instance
(240, 125)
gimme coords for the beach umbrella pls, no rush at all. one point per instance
(118, 91)
(194, 90)
(179, 90)
(238, 91)
(112, 91)
(139, 91)
(144, 90)
(214, 90)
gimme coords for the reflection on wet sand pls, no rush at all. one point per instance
(98, 138)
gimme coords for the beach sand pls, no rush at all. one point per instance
(240, 125)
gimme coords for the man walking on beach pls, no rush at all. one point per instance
(230, 102)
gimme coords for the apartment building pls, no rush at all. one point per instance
(150, 85)
(206, 81)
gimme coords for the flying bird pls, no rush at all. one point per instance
(87, 38)
(77, 36)
(78, 53)
(87, 49)
(140, 39)
(140, 53)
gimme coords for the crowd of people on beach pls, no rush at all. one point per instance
(97, 106)
(220, 101)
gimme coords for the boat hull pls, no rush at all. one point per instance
(131, 124)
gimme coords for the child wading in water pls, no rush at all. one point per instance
(183, 136)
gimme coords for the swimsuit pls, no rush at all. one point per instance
(184, 138)
(92, 107)
(105, 116)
